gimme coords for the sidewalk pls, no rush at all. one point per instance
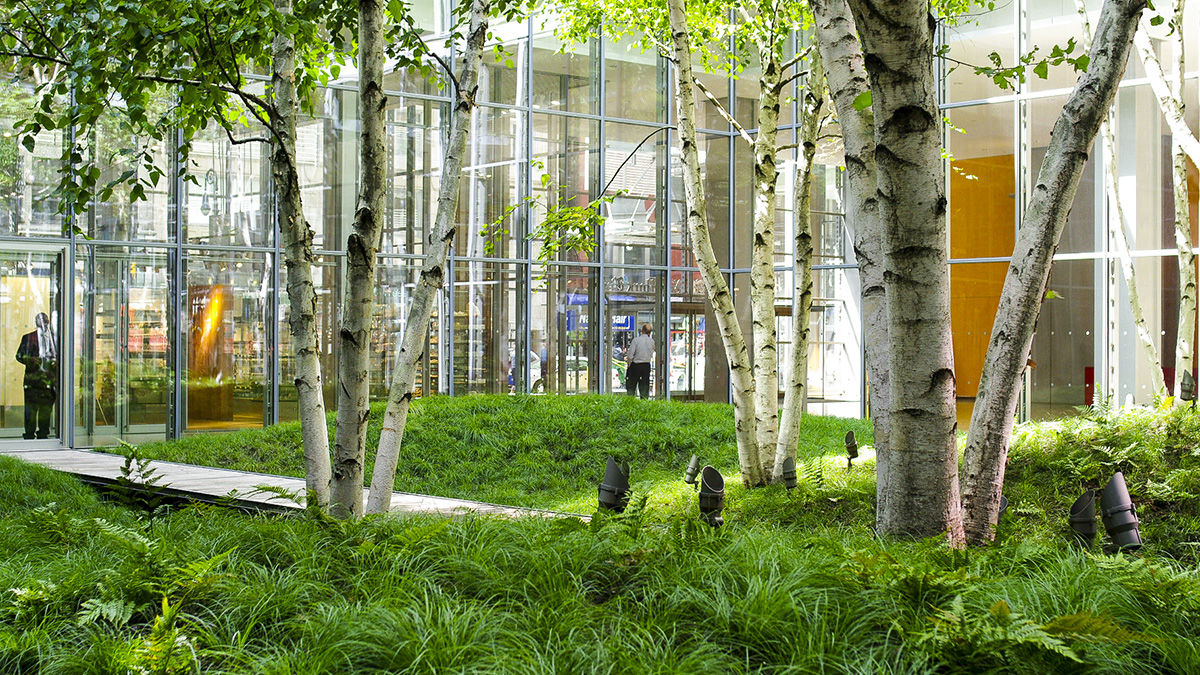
(208, 484)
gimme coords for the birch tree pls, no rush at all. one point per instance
(1184, 146)
(762, 32)
(1116, 228)
(415, 337)
(1025, 284)
(841, 53)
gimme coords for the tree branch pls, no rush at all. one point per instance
(723, 112)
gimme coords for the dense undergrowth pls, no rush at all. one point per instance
(795, 583)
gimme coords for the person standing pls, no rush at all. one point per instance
(38, 351)
(637, 360)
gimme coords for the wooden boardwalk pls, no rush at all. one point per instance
(241, 488)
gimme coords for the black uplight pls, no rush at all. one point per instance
(614, 489)
(712, 496)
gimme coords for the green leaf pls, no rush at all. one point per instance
(1157, 20)
(1051, 295)
(862, 101)
(1042, 69)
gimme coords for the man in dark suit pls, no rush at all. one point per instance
(39, 353)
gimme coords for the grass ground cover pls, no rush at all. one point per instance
(795, 583)
(98, 588)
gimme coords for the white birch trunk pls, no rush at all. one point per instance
(416, 329)
(762, 261)
(362, 247)
(1025, 283)
(1185, 355)
(1171, 107)
(298, 257)
(837, 40)
(795, 396)
(732, 339)
(1120, 242)
(922, 473)
(1116, 228)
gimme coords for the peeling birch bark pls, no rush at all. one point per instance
(1171, 107)
(1116, 230)
(922, 472)
(298, 257)
(1025, 283)
(837, 40)
(362, 248)
(717, 288)
(1185, 354)
(795, 397)
(416, 329)
(762, 261)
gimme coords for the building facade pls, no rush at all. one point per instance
(169, 315)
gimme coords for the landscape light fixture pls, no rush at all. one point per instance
(851, 449)
(693, 468)
(789, 473)
(614, 489)
(1119, 515)
(1187, 387)
(712, 496)
(1003, 507)
(1083, 520)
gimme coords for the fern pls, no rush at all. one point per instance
(140, 485)
(116, 612)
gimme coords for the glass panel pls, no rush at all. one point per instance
(125, 382)
(228, 204)
(687, 349)
(974, 296)
(1144, 171)
(834, 345)
(1054, 23)
(562, 313)
(979, 34)
(30, 332)
(393, 296)
(1133, 364)
(487, 304)
(634, 157)
(1069, 342)
(634, 83)
(565, 80)
(119, 217)
(634, 299)
(326, 278)
(714, 162)
(225, 306)
(565, 169)
(983, 204)
(503, 77)
(492, 184)
(1080, 233)
(28, 181)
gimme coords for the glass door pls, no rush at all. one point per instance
(31, 344)
(126, 387)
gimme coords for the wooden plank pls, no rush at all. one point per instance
(212, 484)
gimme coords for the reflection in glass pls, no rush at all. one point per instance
(634, 81)
(225, 305)
(977, 35)
(393, 296)
(983, 204)
(834, 344)
(28, 180)
(125, 381)
(119, 217)
(228, 203)
(565, 169)
(486, 307)
(326, 278)
(31, 340)
(1068, 345)
(491, 186)
(632, 299)
(564, 309)
(565, 80)
(633, 231)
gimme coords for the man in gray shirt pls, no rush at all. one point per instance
(637, 372)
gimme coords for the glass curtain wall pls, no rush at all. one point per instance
(1086, 348)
